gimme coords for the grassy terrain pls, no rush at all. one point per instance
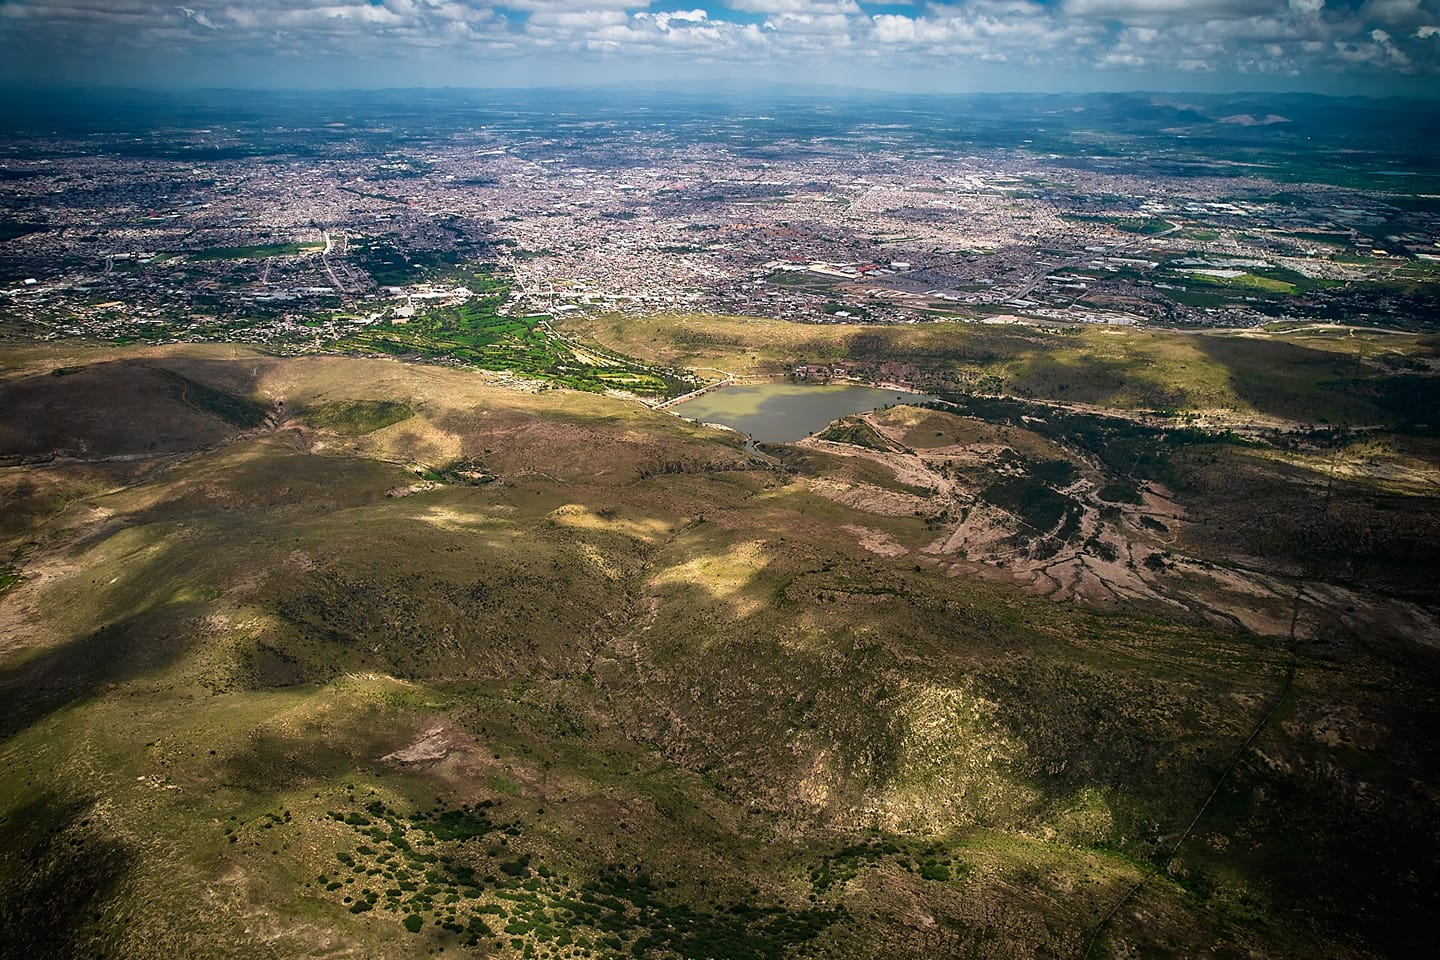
(354, 418)
(854, 431)
(475, 333)
(643, 695)
(1245, 281)
(1312, 376)
(1145, 226)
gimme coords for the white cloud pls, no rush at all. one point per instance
(577, 19)
(554, 5)
(1392, 11)
(795, 7)
(198, 17)
(1128, 10)
(1295, 37)
(833, 25)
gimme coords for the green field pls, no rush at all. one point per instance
(854, 431)
(1245, 281)
(475, 334)
(355, 418)
(1144, 226)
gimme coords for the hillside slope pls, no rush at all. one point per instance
(360, 658)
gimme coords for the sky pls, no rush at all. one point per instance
(1370, 47)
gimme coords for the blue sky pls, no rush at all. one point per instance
(1333, 46)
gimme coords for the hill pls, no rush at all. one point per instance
(368, 658)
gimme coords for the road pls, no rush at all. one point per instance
(329, 269)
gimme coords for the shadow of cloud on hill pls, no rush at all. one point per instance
(1346, 840)
(1326, 816)
(248, 480)
(899, 710)
(128, 407)
(813, 688)
(1299, 518)
(1293, 381)
(269, 759)
(603, 447)
(501, 600)
(135, 599)
(59, 865)
(1085, 378)
(70, 672)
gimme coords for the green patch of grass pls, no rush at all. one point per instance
(1333, 239)
(393, 265)
(477, 334)
(1197, 298)
(1144, 226)
(815, 282)
(354, 418)
(1245, 281)
(854, 431)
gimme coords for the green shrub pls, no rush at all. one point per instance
(1120, 491)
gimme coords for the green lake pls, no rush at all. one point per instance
(786, 412)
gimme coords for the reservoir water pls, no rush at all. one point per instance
(786, 412)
